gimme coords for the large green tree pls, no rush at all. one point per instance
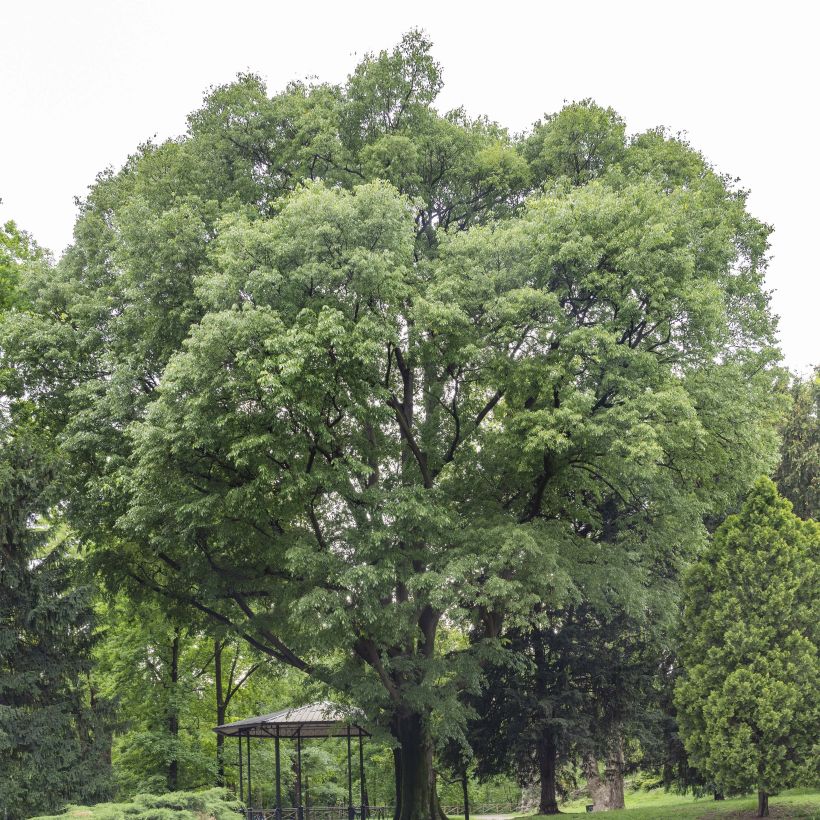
(748, 696)
(335, 369)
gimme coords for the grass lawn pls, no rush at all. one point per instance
(661, 805)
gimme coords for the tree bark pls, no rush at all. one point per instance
(416, 789)
(173, 715)
(597, 787)
(220, 713)
(397, 778)
(762, 804)
(547, 755)
(614, 774)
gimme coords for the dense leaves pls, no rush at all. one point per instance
(343, 373)
(54, 728)
(748, 698)
(213, 804)
(798, 474)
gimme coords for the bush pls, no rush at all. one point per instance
(214, 804)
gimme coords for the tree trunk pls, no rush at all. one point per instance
(465, 794)
(173, 716)
(220, 713)
(417, 789)
(547, 755)
(596, 786)
(762, 804)
(614, 774)
(397, 778)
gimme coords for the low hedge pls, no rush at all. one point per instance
(213, 804)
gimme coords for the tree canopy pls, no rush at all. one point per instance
(336, 370)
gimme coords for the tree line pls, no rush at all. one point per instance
(445, 421)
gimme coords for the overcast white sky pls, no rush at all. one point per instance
(83, 82)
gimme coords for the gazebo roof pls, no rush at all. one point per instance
(324, 719)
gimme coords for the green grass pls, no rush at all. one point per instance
(641, 805)
(660, 805)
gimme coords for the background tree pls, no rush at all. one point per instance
(748, 697)
(55, 729)
(576, 686)
(16, 249)
(798, 474)
(173, 682)
(156, 668)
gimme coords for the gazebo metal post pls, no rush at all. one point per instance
(351, 812)
(278, 779)
(241, 773)
(250, 794)
(300, 812)
(361, 777)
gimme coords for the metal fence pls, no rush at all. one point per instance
(477, 809)
(320, 813)
(371, 812)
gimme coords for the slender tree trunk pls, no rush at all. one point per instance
(173, 715)
(547, 755)
(397, 776)
(762, 804)
(465, 793)
(220, 713)
(417, 793)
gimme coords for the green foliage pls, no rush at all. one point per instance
(579, 142)
(212, 804)
(798, 474)
(17, 248)
(352, 378)
(748, 696)
(161, 670)
(577, 679)
(156, 671)
(54, 726)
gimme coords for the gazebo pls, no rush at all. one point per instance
(318, 720)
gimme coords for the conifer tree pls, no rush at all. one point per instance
(54, 730)
(748, 697)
